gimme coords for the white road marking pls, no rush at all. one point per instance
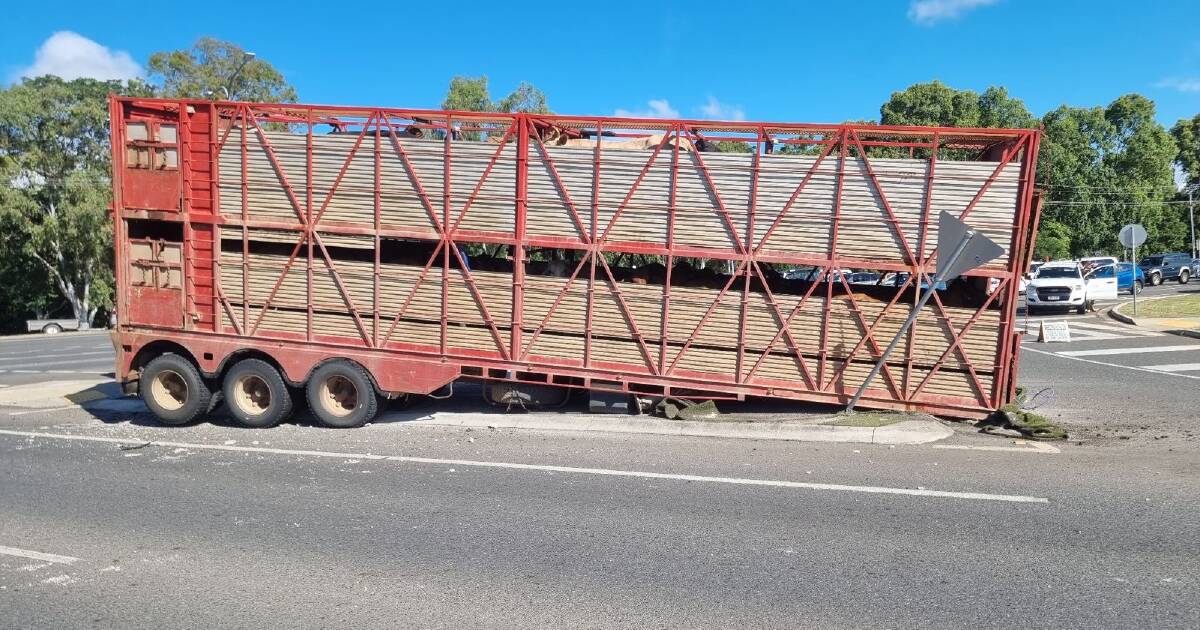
(32, 411)
(58, 356)
(1138, 350)
(1124, 330)
(1030, 447)
(1173, 367)
(977, 496)
(37, 555)
(73, 360)
(1115, 365)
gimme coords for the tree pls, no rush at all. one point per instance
(468, 94)
(1105, 167)
(471, 94)
(525, 99)
(217, 69)
(1053, 241)
(931, 104)
(938, 105)
(1187, 137)
(55, 191)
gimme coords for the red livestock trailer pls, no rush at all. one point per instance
(363, 253)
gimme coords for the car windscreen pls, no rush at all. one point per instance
(1151, 261)
(1058, 272)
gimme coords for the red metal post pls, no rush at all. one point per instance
(522, 207)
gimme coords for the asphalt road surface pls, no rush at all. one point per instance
(109, 521)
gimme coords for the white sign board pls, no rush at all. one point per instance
(1056, 331)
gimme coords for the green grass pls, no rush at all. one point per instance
(868, 419)
(1179, 306)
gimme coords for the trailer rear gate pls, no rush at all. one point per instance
(358, 232)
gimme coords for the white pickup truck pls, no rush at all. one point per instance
(1063, 285)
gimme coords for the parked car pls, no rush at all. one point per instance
(1095, 262)
(863, 277)
(900, 278)
(1195, 267)
(1163, 267)
(53, 326)
(1129, 276)
(1062, 284)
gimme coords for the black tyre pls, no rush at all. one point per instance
(1082, 308)
(341, 396)
(174, 390)
(1155, 279)
(256, 395)
(51, 329)
(1031, 310)
(1184, 276)
(1137, 287)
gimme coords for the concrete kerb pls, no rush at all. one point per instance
(1116, 313)
(903, 432)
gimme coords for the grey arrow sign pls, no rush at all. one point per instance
(976, 253)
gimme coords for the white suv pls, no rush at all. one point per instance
(1063, 284)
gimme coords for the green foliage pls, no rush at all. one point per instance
(1187, 137)
(217, 69)
(54, 227)
(934, 104)
(471, 94)
(734, 146)
(1105, 167)
(525, 99)
(938, 105)
(1053, 242)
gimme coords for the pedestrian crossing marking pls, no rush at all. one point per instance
(1174, 367)
(1139, 350)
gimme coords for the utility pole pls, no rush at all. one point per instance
(1191, 190)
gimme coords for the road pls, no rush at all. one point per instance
(109, 521)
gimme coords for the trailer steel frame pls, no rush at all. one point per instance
(421, 368)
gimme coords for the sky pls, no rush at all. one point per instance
(771, 61)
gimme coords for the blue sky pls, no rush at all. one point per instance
(786, 61)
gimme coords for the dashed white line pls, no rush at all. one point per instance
(977, 496)
(37, 555)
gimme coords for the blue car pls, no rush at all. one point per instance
(1129, 276)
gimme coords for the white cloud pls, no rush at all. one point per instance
(930, 12)
(721, 111)
(657, 108)
(71, 56)
(1179, 84)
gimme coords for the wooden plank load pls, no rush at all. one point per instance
(271, 183)
(412, 173)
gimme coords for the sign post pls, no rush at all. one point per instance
(968, 249)
(1131, 236)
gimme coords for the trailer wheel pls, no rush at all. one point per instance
(173, 390)
(256, 395)
(341, 396)
(51, 329)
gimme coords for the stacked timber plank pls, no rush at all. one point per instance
(407, 309)
(700, 200)
(711, 199)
